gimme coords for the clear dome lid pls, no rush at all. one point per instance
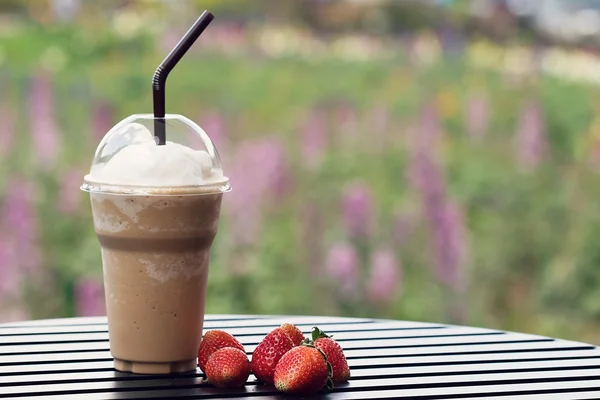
(129, 160)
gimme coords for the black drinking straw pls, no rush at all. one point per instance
(162, 72)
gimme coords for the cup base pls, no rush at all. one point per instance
(155, 368)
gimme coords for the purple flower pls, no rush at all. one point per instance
(243, 209)
(449, 240)
(530, 136)
(477, 115)
(313, 138)
(425, 173)
(259, 173)
(427, 178)
(7, 129)
(384, 277)
(43, 120)
(357, 210)
(18, 217)
(10, 275)
(213, 123)
(342, 264)
(13, 314)
(277, 169)
(17, 211)
(102, 120)
(69, 194)
(89, 298)
(443, 217)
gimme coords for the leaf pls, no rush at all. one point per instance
(318, 334)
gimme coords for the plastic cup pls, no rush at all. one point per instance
(156, 217)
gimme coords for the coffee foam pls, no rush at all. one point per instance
(146, 164)
(110, 223)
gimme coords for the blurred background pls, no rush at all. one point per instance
(422, 160)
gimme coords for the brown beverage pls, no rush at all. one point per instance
(155, 255)
(156, 211)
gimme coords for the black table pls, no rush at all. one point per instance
(69, 359)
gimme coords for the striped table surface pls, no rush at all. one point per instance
(70, 359)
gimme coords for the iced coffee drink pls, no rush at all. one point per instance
(156, 212)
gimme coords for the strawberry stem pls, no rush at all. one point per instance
(318, 334)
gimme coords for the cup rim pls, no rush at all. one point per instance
(215, 187)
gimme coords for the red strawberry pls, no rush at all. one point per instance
(334, 353)
(228, 367)
(294, 333)
(303, 370)
(267, 354)
(213, 341)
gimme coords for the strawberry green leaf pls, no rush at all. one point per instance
(318, 334)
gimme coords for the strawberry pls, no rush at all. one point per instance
(334, 353)
(228, 367)
(267, 354)
(304, 370)
(294, 333)
(213, 341)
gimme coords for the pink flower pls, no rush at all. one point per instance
(258, 174)
(13, 314)
(477, 115)
(10, 276)
(20, 256)
(18, 217)
(89, 298)
(427, 177)
(357, 210)
(384, 277)
(69, 195)
(530, 136)
(213, 123)
(342, 264)
(102, 120)
(449, 242)
(42, 118)
(313, 138)
(442, 215)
